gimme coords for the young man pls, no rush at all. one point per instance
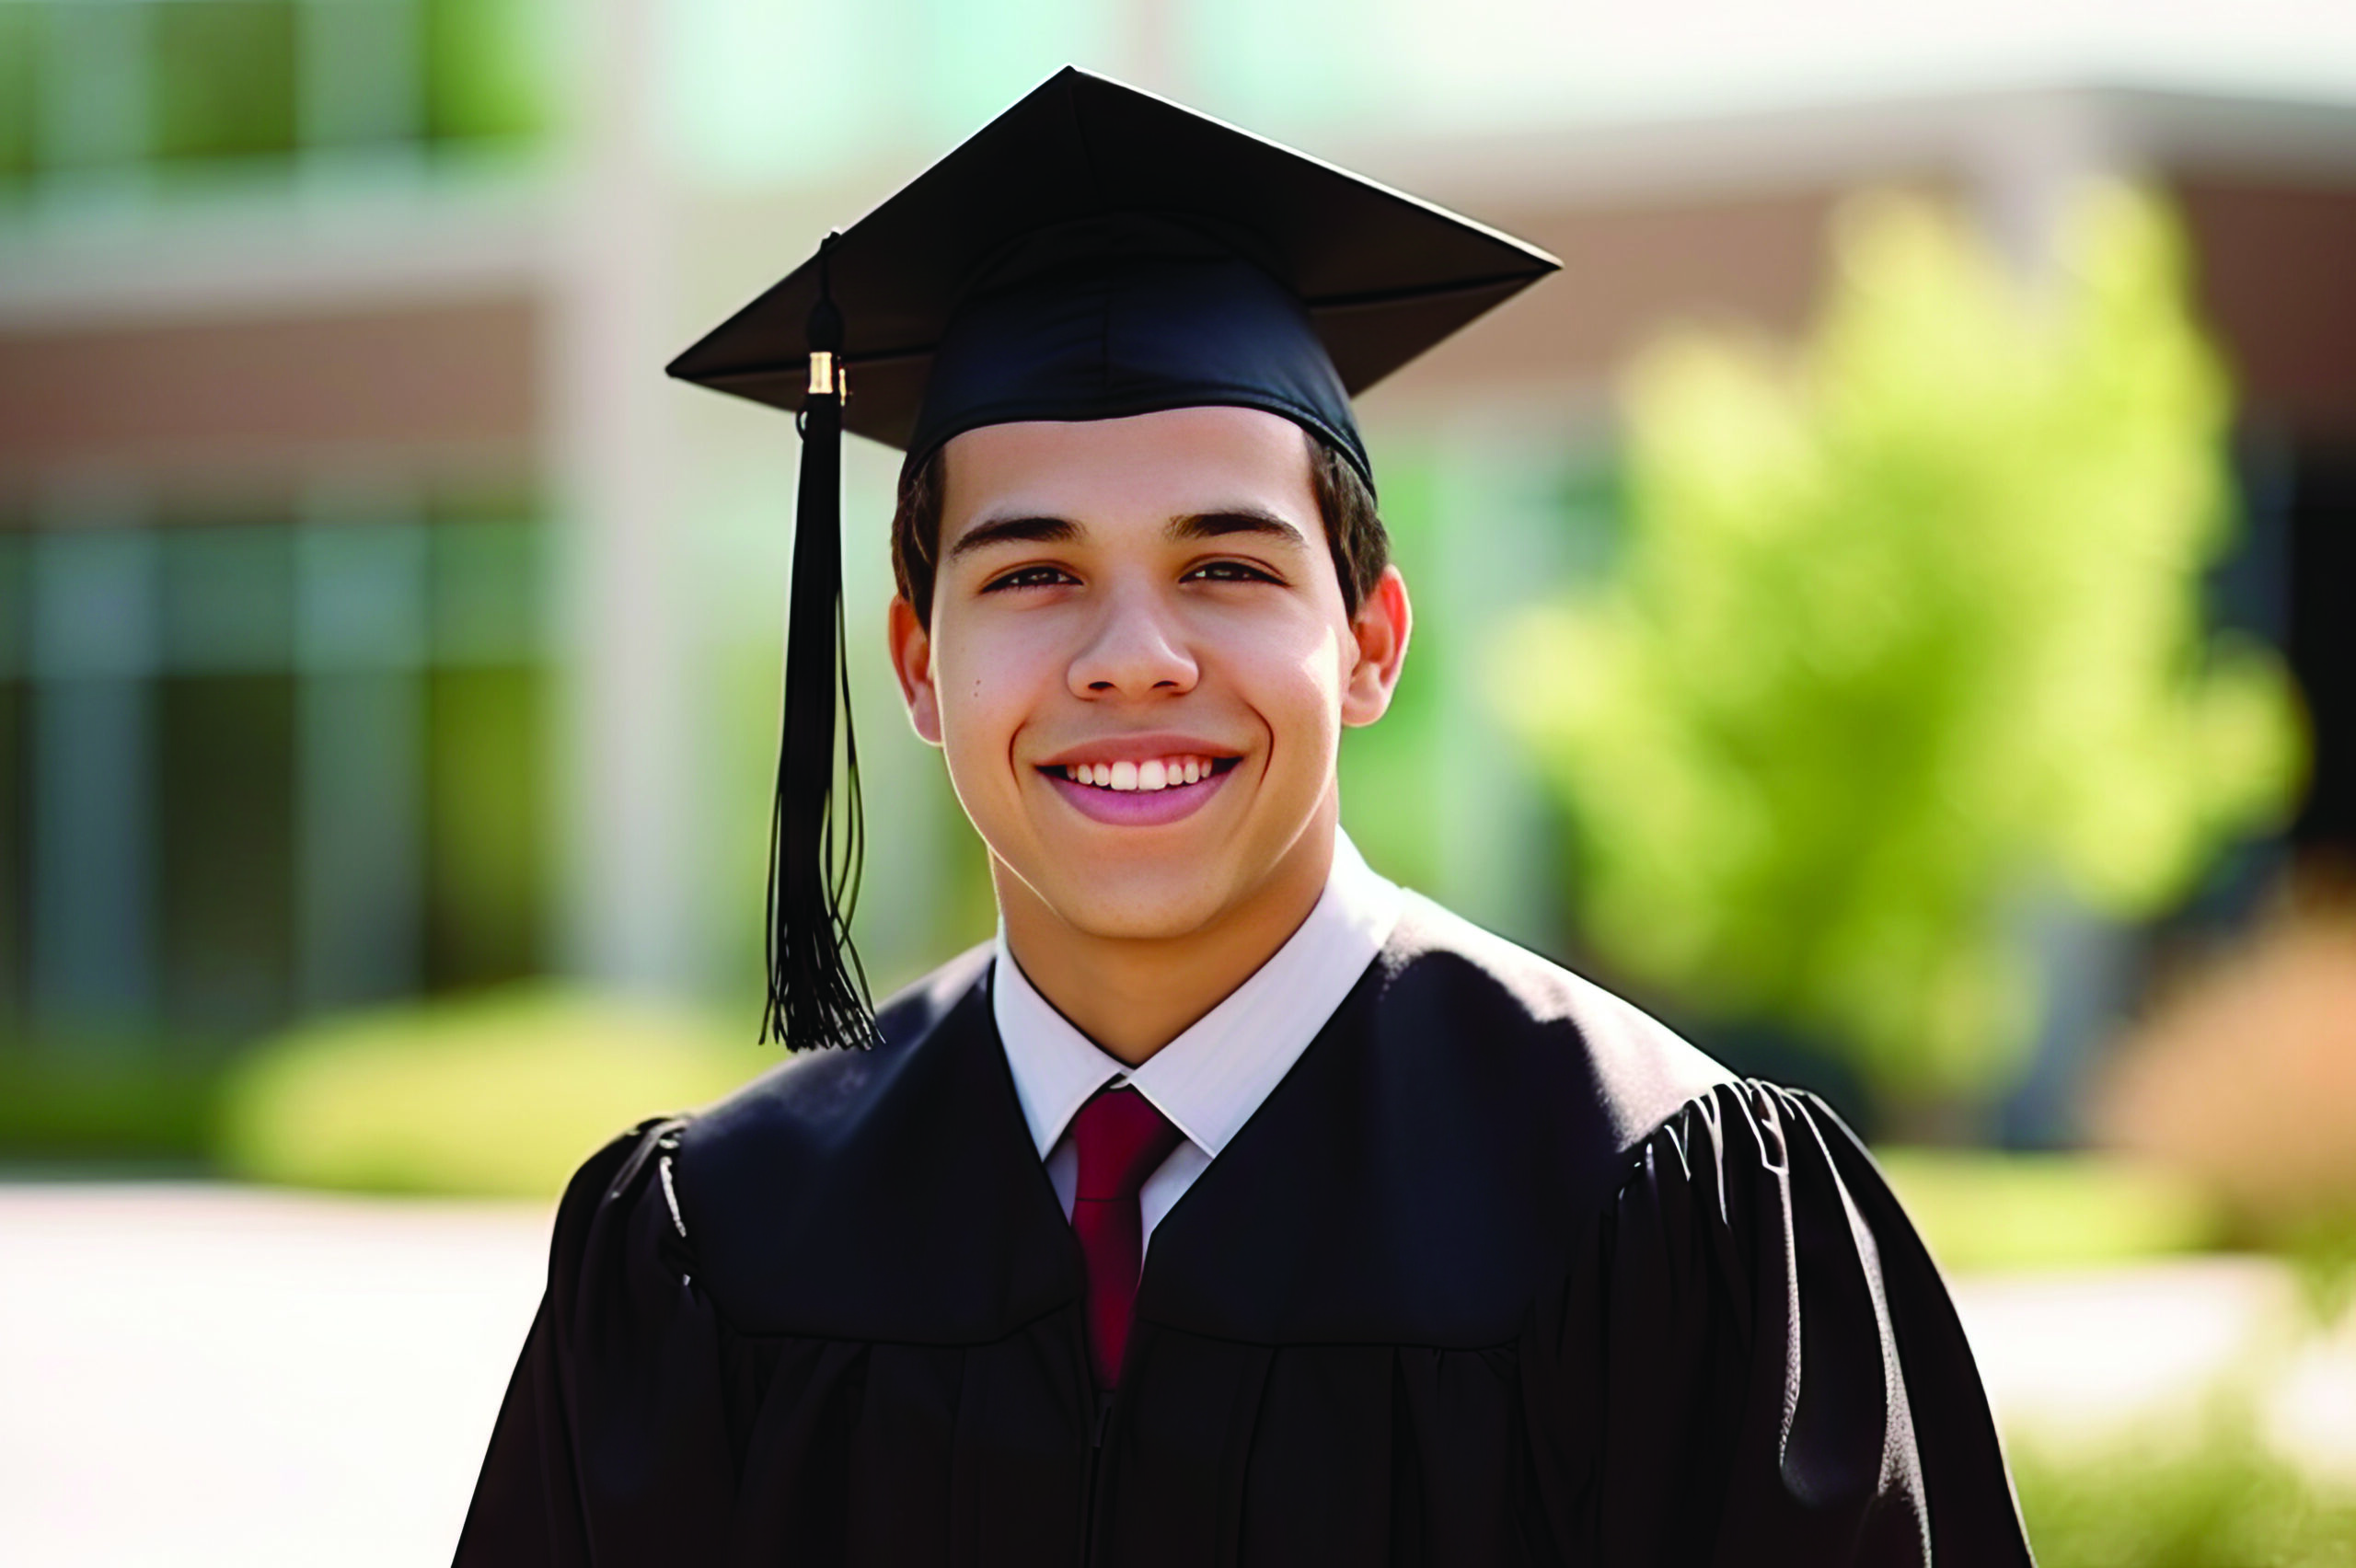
(1235, 1205)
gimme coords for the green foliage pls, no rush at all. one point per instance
(501, 1094)
(1977, 1209)
(1907, 629)
(487, 69)
(2215, 1496)
(81, 1100)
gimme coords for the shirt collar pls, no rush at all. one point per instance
(1210, 1080)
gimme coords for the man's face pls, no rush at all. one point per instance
(1139, 662)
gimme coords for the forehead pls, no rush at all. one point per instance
(1147, 467)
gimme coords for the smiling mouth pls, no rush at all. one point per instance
(1143, 777)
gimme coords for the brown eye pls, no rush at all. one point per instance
(1029, 577)
(1232, 571)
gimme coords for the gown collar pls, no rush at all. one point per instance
(1211, 1079)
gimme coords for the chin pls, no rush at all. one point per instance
(1132, 904)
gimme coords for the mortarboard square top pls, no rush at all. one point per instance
(1097, 251)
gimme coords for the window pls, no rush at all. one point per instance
(254, 765)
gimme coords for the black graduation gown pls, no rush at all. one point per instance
(1501, 1272)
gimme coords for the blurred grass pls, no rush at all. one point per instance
(500, 1094)
(2213, 1497)
(1985, 1209)
(2321, 1250)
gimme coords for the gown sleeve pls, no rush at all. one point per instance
(1752, 1359)
(611, 1445)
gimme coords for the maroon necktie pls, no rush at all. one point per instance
(1122, 1140)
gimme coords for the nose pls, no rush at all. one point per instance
(1134, 650)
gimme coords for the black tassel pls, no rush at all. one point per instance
(817, 991)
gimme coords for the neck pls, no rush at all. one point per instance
(1134, 995)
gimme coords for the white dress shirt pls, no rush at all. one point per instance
(1210, 1080)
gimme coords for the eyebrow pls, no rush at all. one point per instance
(1063, 530)
(1247, 520)
(1014, 531)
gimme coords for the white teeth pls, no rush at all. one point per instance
(1156, 773)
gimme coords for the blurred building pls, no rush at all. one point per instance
(375, 619)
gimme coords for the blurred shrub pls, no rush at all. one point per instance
(1980, 1210)
(110, 1101)
(2246, 1078)
(2214, 1497)
(500, 1094)
(1908, 627)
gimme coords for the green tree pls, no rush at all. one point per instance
(1908, 628)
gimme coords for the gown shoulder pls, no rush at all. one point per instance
(614, 1397)
(1768, 1365)
(1455, 984)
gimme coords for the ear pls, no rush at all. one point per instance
(1379, 630)
(912, 662)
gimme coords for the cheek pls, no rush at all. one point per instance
(1294, 672)
(989, 684)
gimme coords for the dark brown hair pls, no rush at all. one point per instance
(1354, 530)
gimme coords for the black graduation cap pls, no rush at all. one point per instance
(1093, 252)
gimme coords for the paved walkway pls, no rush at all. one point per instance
(195, 1375)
